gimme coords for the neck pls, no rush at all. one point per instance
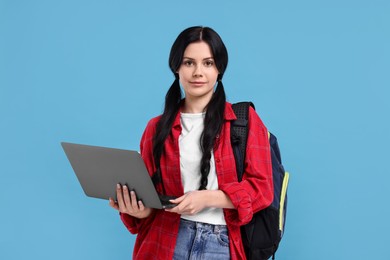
(195, 105)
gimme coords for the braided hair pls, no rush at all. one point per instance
(214, 117)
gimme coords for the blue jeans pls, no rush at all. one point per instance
(197, 241)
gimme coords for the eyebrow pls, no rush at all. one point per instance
(188, 58)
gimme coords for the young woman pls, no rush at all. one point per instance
(188, 152)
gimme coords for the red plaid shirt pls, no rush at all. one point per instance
(157, 234)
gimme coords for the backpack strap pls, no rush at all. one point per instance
(239, 134)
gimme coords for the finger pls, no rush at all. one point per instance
(141, 205)
(119, 195)
(175, 209)
(178, 200)
(126, 197)
(134, 200)
(113, 204)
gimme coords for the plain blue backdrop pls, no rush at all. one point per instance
(95, 72)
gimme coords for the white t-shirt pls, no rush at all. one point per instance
(190, 157)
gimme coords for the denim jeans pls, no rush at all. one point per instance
(196, 241)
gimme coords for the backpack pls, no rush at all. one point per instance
(261, 236)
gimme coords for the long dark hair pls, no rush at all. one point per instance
(215, 108)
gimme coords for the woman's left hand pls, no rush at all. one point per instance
(190, 203)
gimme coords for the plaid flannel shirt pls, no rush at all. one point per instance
(157, 233)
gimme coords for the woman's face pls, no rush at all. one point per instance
(198, 73)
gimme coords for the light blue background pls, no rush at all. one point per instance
(95, 72)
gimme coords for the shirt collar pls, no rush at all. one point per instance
(229, 115)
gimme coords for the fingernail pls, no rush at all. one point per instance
(118, 186)
(124, 187)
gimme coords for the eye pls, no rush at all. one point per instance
(188, 63)
(209, 63)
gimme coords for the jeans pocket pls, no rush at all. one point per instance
(223, 237)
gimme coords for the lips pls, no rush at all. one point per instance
(198, 83)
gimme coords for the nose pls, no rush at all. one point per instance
(197, 71)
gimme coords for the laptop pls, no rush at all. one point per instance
(100, 169)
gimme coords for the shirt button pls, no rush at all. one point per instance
(217, 160)
(217, 136)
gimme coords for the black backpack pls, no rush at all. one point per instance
(262, 235)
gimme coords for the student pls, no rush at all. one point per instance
(188, 151)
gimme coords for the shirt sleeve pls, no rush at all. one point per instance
(255, 191)
(135, 224)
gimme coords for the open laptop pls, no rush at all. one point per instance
(100, 169)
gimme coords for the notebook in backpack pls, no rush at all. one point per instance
(261, 236)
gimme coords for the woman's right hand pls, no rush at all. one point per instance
(127, 203)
